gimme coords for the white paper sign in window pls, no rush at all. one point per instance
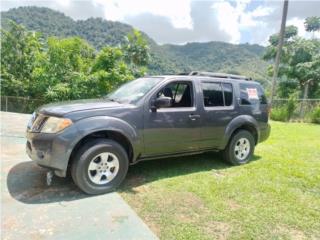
(252, 93)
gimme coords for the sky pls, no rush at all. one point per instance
(182, 21)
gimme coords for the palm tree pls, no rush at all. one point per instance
(312, 24)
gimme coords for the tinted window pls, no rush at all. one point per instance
(262, 96)
(227, 91)
(212, 94)
(252, 94)
(180, 92)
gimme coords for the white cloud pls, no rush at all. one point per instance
(178, 11)
(261, 11)
(234, 18)
(228, 19)
(299, 23)
(64, 3)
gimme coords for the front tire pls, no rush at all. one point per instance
(99, 166)
(240, 148)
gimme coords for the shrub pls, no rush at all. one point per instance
(279, 114)
(291, 106)
(315, 115)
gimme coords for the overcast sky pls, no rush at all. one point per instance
(182, 21)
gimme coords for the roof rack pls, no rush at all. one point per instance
(219, 75)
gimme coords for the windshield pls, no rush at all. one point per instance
(133, 91)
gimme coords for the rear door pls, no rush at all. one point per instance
(218, 104)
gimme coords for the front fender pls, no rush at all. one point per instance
(104, 123)
(237, 123)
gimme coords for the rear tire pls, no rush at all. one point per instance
(99, 166)
(240, 148)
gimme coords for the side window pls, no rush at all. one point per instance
(262, 96)
(217, 94)
(180, 92)
(212, 94)
(228, 95)
(251, 94)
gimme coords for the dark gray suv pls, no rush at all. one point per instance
(149, 118)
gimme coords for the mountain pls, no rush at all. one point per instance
(165, 59)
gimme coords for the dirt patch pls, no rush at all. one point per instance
(134, 180)
(233, 205)
(193, 210)
(152, 225)
(292, 233)
(218, 230)
(181, 208)
(218, 174)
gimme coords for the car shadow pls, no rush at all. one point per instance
(153, 170)
(26, 182)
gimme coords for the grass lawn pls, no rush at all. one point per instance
(276, 196)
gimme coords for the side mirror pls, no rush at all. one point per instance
(162, 102)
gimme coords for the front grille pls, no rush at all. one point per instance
(38, 123)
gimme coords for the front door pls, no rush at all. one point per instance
(175, 129)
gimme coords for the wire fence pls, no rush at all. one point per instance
(303, 107)
(20, 104)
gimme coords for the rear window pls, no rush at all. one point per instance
(217, 94)
(251, 94)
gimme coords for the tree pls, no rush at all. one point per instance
(62, 68)
(290, 32)
(109, 70)
(136, 52)
(312, 24)
(271, 50)
(299, 64)
(19, 50)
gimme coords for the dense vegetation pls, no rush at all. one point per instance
(300, 64)
(55, 69)
(299, 72)
(166, 59)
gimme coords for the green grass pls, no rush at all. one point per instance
(276, 196)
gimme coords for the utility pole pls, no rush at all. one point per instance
(280, 44)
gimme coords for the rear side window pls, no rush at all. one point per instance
(217, 94)
(228, 96)
(251, 94)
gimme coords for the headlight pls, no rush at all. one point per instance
(54, 124)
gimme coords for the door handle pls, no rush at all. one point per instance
(194, 116)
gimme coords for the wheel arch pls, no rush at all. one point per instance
(105, 134)
(244, 122)
(108, 128)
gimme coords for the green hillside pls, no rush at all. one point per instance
(166, 59)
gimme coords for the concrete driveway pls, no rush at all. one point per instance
(31, 210)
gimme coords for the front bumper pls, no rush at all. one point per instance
(51, 151)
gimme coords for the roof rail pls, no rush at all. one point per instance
(219, 75)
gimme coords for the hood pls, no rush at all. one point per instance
(62, 108)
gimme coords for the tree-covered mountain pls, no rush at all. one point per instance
(165, 59)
